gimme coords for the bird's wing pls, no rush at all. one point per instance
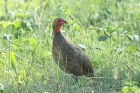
(79, 57)
(83, 60)
(86, 64)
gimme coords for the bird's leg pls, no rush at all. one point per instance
(75, 77)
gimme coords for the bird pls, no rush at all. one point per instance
(69, 56)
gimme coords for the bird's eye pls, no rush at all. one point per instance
(59, 20)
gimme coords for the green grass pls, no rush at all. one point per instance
(107, 31)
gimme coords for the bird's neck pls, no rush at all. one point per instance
(56, 29)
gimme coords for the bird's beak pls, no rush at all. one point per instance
(65, 22)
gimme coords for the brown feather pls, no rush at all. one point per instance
(70, 57)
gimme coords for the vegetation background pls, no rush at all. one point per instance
(107, 30)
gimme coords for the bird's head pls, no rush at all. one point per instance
(58, 22)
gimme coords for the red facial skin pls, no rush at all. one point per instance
(58, 23)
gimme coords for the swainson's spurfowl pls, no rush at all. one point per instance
(67, 55)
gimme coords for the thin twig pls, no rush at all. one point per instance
(23, 59)
(124, 64)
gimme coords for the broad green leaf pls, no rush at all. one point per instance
(137, 91)
(134, 88)
(24, 24)
(132, 48)
(69, 21)
(134, 82)
(16, 23)
(77, 27)
(13, 61)
(5, 23)
(32, 41)
(125, 89)
(68, 11)
(103, 38)
(20, 14)
(98, 62)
